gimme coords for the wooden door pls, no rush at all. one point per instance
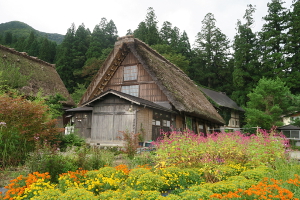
(109, 120)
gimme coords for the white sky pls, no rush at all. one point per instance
(56, 16)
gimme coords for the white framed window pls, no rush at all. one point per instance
(131, 89)
(130, 73)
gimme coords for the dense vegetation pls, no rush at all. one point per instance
(234, 67)
(241, 171)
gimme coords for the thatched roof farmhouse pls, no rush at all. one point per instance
(135, 69)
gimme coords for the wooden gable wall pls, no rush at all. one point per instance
(148, 89)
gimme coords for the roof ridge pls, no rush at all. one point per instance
(25, 55)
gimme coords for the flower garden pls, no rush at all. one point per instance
(183, 166)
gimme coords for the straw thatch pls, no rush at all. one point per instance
(43, 76)
(181, 91)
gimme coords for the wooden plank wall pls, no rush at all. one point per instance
(144, 120)
(111, 116)
(148, 88)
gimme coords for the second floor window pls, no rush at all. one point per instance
(131, 89)
(130, 73)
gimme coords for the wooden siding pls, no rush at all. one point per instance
(144, 120)
(148, 88)
(111, 116)
(82, 124)
(179, 122)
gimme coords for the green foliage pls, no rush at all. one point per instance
(147, 30)
(131, 143)
(212, 50)
(48, 159)
(19, 29)
(25, 122)
(11, 76)
(134, 175)
(78, 93)
(246, 53)
(77, 194)
(71, 140)
(169, 53)
(196, 191)
(144, 158)
(186, 149)
(50, 194)
(256, 174)
(270, 100)
(54, 102)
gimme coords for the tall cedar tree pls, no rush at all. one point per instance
(65, 59)
(213, 51)
(102, 41)
(293, 49)
(147, 30)
(81, 46)
(246, 72)
(273, 39)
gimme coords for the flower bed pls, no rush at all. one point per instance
(156, 183)
(189, 166)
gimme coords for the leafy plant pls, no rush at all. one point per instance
(131, 143)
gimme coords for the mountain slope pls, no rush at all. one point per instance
(21, 29)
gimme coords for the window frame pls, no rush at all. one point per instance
(130, 73)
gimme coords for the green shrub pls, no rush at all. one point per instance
(192, 195)
(256, 174)
(149, 181)
(205, 193)
(144, 158)
(50, 194)
(220, 187)
(109, 194)
(77, 194)
(23, 123)
(47, 159)
(134, 175)
(71, 140)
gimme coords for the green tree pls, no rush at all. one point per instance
(293, 49)
(246, 72)
(8, 38)
(65, 56)
(273, 39)
(78, 93)
(81, 46)
(147, 30)
(213, 51)
(268, 102)
(169, 53)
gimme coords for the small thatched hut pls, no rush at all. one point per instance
(139, 90)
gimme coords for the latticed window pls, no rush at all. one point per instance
(131, 89)
(130, 73)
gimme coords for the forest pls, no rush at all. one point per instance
(234, 67)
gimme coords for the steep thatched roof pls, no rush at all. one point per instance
(180, 90)
(42, 75)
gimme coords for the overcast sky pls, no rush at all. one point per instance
(56, 16)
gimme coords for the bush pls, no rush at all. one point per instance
(48, 159)
(23, 122)
(77, 194)
(186, 149)
(70, 140)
